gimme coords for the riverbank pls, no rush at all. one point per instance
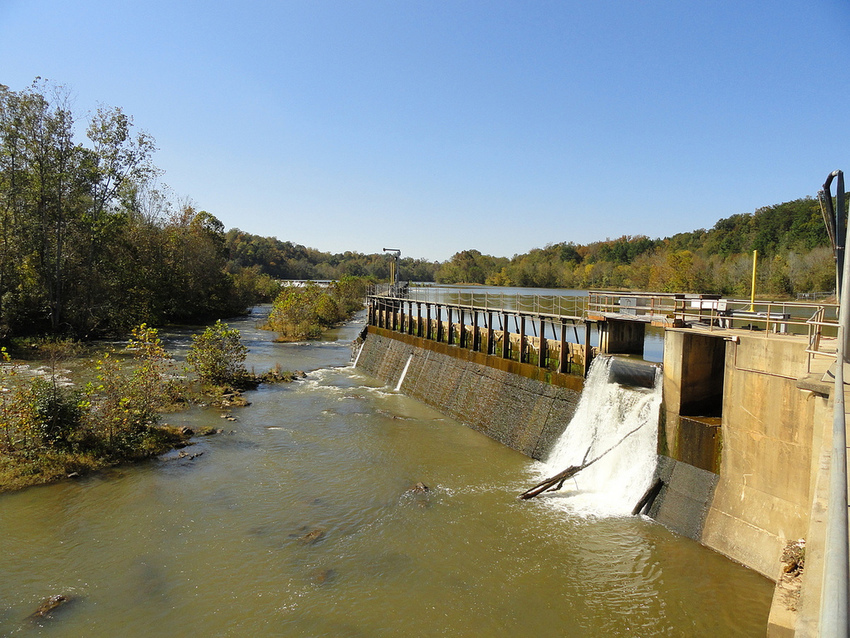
(42, 468)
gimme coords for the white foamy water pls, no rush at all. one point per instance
(617, 425)
(403, 373)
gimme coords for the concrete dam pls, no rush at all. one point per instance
(743, 430)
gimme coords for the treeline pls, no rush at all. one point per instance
(791, 240)
(89, 245)
(285, 260)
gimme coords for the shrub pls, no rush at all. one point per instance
(218, 357)
(127, 400)
(305, 312)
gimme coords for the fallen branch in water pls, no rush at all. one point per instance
(558, 479)
(648, 498)
(557, 482)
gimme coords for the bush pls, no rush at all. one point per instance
(49, 431)
(305, 312)
(218, 357)
(55, 413)
(127, 401)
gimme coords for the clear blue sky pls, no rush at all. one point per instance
(435, 126)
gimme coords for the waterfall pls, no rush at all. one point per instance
(357, 358)
(403, 373)
(618, 424)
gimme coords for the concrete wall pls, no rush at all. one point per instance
(763, 497)
(755, 458)
(621, 337)
(519, 405)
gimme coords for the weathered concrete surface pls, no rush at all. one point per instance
(684, 501)
(758, 440)
(519, 405)
(763, 497)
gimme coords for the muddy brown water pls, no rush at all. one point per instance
(300, 522)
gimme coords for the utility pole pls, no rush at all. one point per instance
(395, 253)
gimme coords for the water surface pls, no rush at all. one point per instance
(298, 521)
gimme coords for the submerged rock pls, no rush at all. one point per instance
(323, 576)
(313, 537)
(48, 605)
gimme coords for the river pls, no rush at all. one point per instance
(298, 520)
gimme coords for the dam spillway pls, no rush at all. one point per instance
(614, 431)
(740, 435)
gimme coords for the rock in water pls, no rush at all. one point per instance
(311, 538)
(48, 605)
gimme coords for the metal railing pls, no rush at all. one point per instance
(524, 332)
(712, 311)
(563, 305)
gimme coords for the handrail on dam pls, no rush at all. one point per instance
(532, 304)
(522, 335)
(712, 311)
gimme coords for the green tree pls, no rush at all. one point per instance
(218, 357)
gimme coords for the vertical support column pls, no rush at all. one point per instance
(587, 348)
(439, 323)
(543, 345)
(462, 336)
(400, 316)
(428, 330)
(522, 338)
(450, 331)
(476, 334)
(418, 318)
(506, 338)
(491, 345)
(564, 355)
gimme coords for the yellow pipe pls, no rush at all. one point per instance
(753, 287)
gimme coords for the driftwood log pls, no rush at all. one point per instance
(645, 503)
(557, 482)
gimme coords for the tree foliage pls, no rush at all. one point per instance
(218, 357)
(286, 260)
(306, 311)
(790, 239)
(88, 243)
